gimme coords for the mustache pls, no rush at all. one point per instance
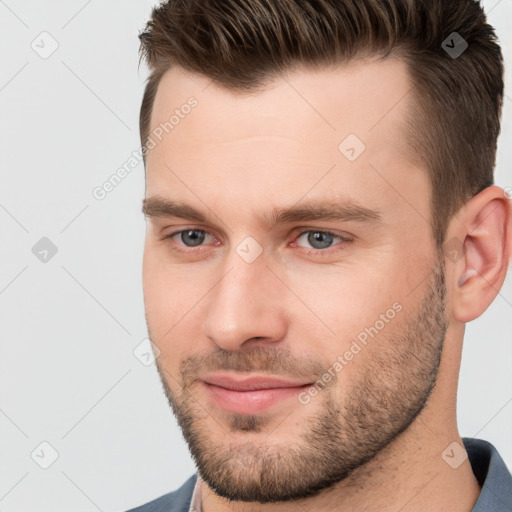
(272, 361)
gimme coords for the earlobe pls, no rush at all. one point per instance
(485, 228)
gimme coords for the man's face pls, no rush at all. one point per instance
(349, 302)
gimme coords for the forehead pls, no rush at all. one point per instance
(290, 135)
(354, 96)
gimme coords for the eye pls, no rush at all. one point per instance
(320, 240)
(189, 237)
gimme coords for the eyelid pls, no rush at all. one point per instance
(325, 231)
(300, 232)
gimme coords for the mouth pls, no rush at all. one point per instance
(250, 394)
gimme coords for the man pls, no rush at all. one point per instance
(321, 224)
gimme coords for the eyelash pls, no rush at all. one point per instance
(312, 252)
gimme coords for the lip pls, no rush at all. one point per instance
(250, 383)
(250, 394)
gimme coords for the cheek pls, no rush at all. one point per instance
(163, 297)
(172, 300)
(346, 300)
(153, 287)
(355, 312)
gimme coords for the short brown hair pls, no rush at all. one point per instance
(454, 122)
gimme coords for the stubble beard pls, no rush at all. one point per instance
(339, 435)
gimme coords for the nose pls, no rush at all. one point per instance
(246, 306)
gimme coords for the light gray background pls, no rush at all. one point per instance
(69, 326)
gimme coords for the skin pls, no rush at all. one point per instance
(389, 414)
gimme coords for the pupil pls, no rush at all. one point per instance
(196, 237)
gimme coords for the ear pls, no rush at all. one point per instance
(479, 248)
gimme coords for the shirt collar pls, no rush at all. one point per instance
(195, 503)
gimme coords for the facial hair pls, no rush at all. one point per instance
(380, 402)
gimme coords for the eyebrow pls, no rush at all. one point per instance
(343, 210)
